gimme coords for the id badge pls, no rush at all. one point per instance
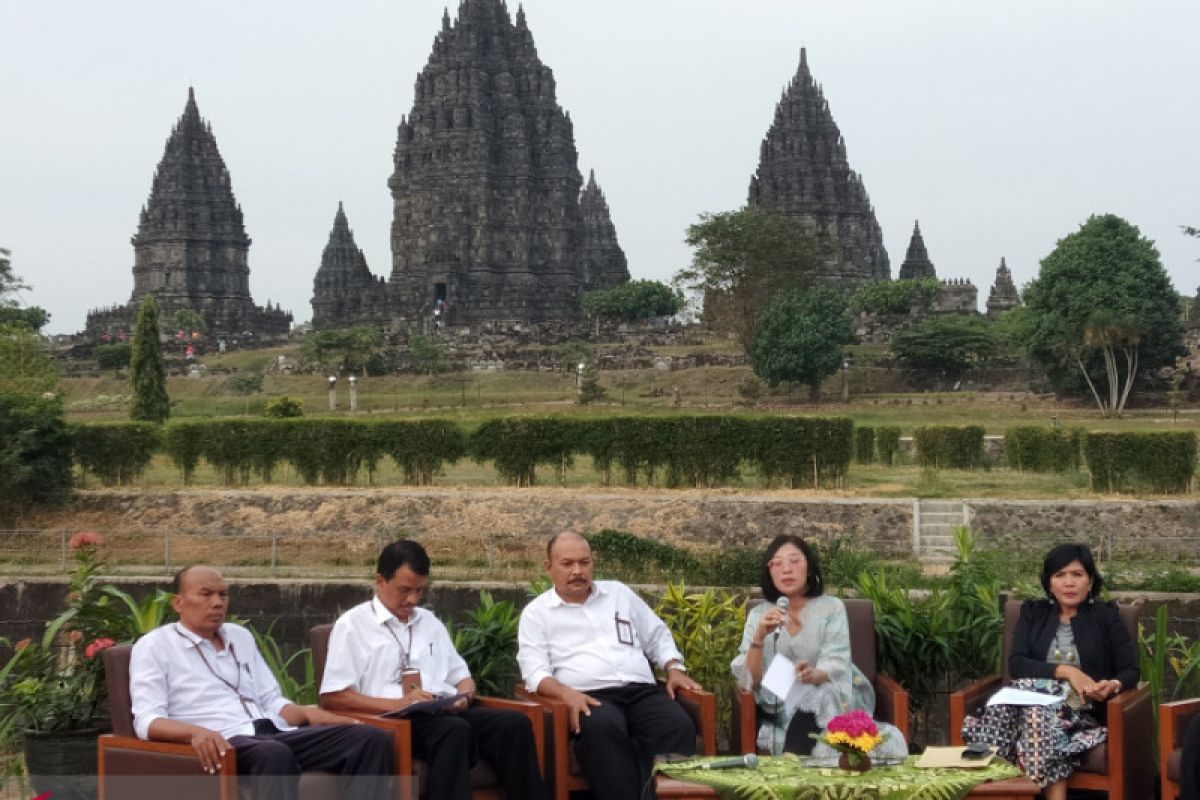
(410, 681)
(624, 630)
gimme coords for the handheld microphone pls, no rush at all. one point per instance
(748, 761)
(782, 604)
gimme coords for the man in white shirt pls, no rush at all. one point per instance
(203, 681)
(388, 653)
(589, 644)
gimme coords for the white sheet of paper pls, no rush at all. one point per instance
(1009, 696)
(780, 679)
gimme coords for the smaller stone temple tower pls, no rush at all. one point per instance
(916, 260)
(1004, 293)
(604, 263)
(345, 292)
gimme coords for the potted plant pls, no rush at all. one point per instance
(52, 689)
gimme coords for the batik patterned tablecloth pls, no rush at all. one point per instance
(790, 778)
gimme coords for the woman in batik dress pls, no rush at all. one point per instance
(1068, 644)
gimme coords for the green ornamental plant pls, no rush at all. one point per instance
(488, 643)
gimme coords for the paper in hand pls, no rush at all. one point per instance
(434, 706)
(780, 680)
(1008, 696)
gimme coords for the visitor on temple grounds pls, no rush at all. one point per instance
(202, 681)
(388, 653)
(811, 631)
(1068, 644)
(590, 644)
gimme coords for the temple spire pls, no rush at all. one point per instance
(916, 260)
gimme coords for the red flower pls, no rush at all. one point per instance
(82, 540)
(98, 646)
(21, 645)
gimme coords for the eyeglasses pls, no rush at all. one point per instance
(777, 563)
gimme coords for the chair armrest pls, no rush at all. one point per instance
(557, 728)
(970, 696)
(891, 702)
(402, 736)
(1173, 719)
(701, 706)
(534, 712)
(128, 765)
(744, 738)
(1130, 721)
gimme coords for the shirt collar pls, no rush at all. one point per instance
(556, 599)
(382, 615)
(196, 639)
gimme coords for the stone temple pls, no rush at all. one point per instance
(917, 265)
(803, 172)
(491, 222)
(191, 250)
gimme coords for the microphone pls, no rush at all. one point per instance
(782, 604)
(748, 761)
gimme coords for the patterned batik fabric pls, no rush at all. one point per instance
(1046, 742)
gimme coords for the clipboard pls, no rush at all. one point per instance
(438, 705)
(951, 757)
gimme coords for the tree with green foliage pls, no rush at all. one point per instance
(188, 320)
(1102, 311)
(745, 258)
(344, 349)
(632, 301)
(146, 372)
(800, 336)
(895, 297)
(428, 355)
(25, 367)
(946, 347)
(35, 454)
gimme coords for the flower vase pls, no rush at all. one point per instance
(858, 763)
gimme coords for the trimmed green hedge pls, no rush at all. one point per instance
(1034, 449)
(864, 445)
(949, 446)
(116, 453)
(887, 444)
(1158, 462)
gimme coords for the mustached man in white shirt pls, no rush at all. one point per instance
(202, 681)
(389, 653)
(589, 644)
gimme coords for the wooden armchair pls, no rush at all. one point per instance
(1124, 765)
(1173, 720)
(565, 774)
(891, 700)
(484, 784)
(133, 767)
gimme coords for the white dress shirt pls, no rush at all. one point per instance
(599, 643)
(178, 675)
(367, 650)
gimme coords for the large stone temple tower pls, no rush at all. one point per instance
(191, 249)
(803, 172)
(487, 221)
(344, 290)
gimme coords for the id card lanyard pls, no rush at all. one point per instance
(248, 704)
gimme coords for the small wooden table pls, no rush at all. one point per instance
(1011, 789)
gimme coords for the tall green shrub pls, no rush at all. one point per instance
(864, 445)
(116, 453)
(1158, 462)
(1035, 449)
(147, 375)
(35, 454)
(887, 444)
(421, 448)
(516, 445)
(949, 446)
(184, 443)
(803, 451)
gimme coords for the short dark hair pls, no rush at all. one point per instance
(402, 553)
(177, 579)
(560, 534)
(1062, 555)
(815, 585)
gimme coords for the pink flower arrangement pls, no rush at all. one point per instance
(853, 733)
(84, 539)
(98, 646)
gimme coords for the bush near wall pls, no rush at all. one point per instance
(949, 446)
(116, 453)
(864, 445)
(516, 445)
(1158, 462)
(803, 451)
(887, 444)
(1034, 449)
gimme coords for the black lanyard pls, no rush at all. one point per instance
(405, 654)
(236, 688)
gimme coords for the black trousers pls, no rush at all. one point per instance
(270, 764)
(618, 741)
(798, 738)
(1189, 767)
(450, 744)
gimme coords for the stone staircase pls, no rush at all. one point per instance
(936, 521)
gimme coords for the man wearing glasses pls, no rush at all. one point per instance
(589, 644)
(202, 681)
(389, 653)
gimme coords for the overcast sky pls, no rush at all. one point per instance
(1000, 126)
